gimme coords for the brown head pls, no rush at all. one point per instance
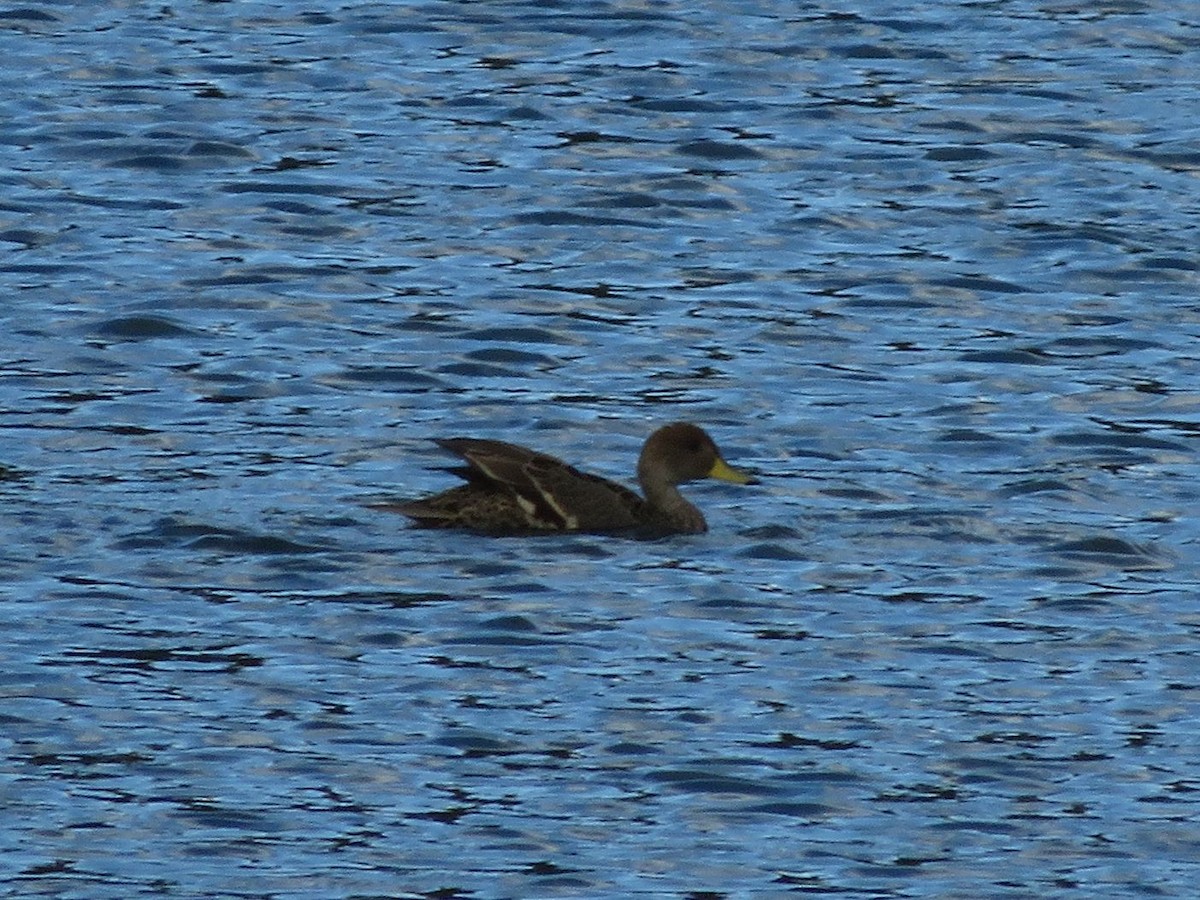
(682, 452)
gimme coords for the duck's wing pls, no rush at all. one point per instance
(551, 494)
(497, 461)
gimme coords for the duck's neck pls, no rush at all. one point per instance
(673, 507)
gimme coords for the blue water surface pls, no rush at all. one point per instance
(929, 269)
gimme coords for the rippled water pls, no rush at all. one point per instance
(930, 269)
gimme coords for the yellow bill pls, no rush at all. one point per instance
(722, 471)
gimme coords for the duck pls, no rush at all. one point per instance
(512, 490)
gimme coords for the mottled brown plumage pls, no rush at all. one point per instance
(510, 489)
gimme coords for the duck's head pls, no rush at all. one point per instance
(682, 452)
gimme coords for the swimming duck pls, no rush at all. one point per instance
(514, 490)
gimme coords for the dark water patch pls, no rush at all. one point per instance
(704, 782)
(868, 51)
(235, 68)
(393, 599)
(85, 133)
(560, 218)
(479, 370)
(1095, 346)
(1014, 738)
(793, 809)
(967, 436)
(958, 154)
(789, 741)
(942, 521)
(1120, 439)
(981, 826)
(515, 335)
(246, 393)
(912, 596)
(982, 284)
(772, 532)
(219, 149)
(1074, 140)
(41, 268)
(146, 204)
(27, 238)
(211, 814)
(318, 188)
(1034, 486)
(248, 276)
(680, 105)
(152, 162)
(1016, 357)
(144, 327)
(292, 164)
(150, 659)
(510, 356)
(1066, 234)
(600, 291)
(492, 569)
(1043, 631)
(501, 638)
(709, 277)
(510, 623)
(919, 792)
(393, 377)
(726, 605)
(174, 533)
(519, 587)
(1073, 603)
(628, 200)
(883, 303)
(1171, 262)
(13, 473)
(1101, 546)
(1186, 427)
(83, 765)
(956, 651)
(429, 323)
(632, 748)
(296, 208)
(724, 151)
(230, 541)
(477, 746)
(859, 495)
(128, 430)
(1176, 160)
(27, 14)
(772, 550)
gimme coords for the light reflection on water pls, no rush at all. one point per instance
(935, 281)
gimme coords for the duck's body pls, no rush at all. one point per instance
(514, 490)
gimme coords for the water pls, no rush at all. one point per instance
(929, 269)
